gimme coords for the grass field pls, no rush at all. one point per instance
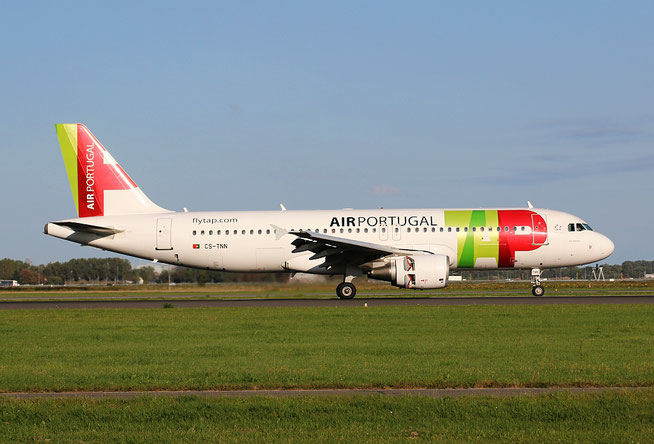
(378, 346)
(466, 346)
(326, 290)
(561, 417)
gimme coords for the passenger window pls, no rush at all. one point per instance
(522, 228)
(226, 231)
(515, 229)
(324, 230)
(408, 230)
(506, 229)
(341, 230)
(449, 229)
(259, 232)
(374, 230)
(195, 232)
(202, 233)
(481, 228)
(397, 229)
(417, 229)
(358, 230)
(465, 229)
(349, 230)
(424, 230)
(457, 229)
(210, 232)
(333, 230)
(218, 232)
(474, 228)
(580, 227)
(365, 230)
(441, 229)
(571, 227)
(383, 230)
(251, 231)
(267, 231)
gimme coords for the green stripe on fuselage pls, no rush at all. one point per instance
(474, 243)
(487, 241)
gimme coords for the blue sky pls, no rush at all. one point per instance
(243, 105)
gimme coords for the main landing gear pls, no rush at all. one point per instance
(536, 289)
(346, 290)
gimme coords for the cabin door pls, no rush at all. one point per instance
(539, 229)
(164, 233)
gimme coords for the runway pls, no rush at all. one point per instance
(358, 302)
(431, 393)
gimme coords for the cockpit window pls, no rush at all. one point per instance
(580, 227)
(588, 227)
(571, 227)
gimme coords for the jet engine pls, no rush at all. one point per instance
(416, 272)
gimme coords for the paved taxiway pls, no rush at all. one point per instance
(432, 393)
(358, 302)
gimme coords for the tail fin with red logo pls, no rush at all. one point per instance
(100, 186)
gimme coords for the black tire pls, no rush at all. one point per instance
(538, 290)
(346, 290)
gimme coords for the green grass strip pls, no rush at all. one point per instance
(561, 417)
(243, 348)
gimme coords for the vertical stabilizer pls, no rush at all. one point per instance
(100, 186)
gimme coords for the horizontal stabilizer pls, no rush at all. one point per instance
(86, 228)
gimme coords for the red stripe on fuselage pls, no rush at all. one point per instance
(510, 241)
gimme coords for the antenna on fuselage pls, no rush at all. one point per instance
(529, 205)
(282, 207)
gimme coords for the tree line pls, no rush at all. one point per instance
(116, 270)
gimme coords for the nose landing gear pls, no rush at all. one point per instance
(536, 289)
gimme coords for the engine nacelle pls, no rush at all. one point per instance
(416, 272)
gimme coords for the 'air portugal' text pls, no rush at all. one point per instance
(90, 177)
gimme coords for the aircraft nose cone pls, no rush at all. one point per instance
(605, 246)
(610, 246)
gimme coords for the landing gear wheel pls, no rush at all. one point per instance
(536, 288)
(346, 290)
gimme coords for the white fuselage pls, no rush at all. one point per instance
(258, 241)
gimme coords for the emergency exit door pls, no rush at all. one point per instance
(164, 233)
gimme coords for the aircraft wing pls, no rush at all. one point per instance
(339, 251)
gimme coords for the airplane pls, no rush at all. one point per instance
(410, 248)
